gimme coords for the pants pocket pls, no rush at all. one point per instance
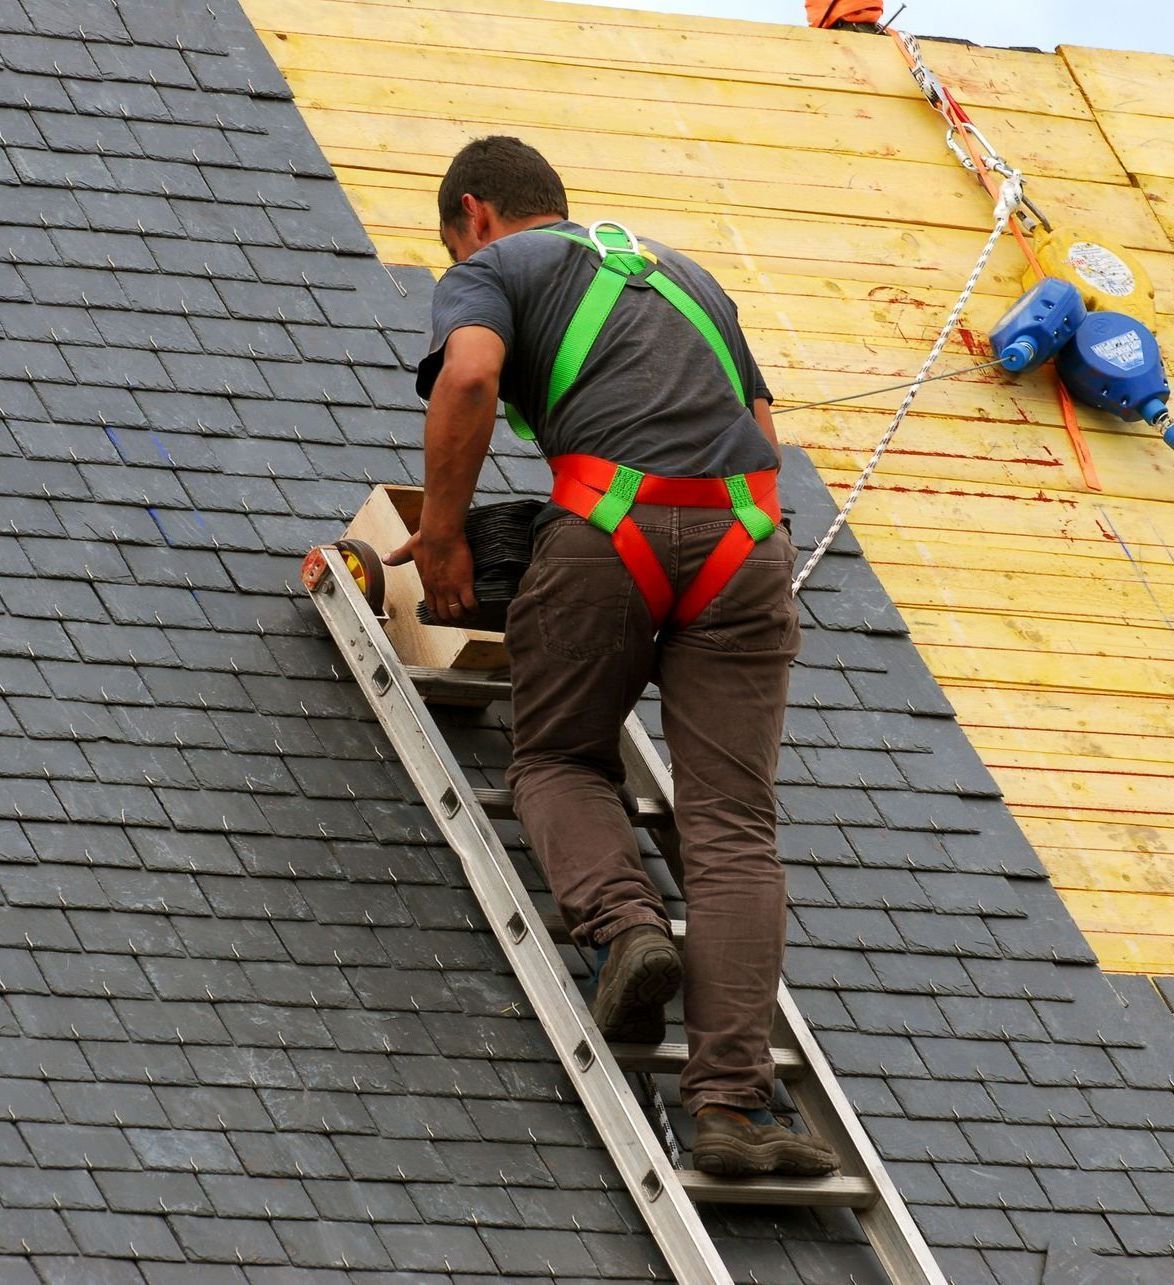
(583, 593)
(756, 610)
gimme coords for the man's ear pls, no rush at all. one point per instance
(481, 219)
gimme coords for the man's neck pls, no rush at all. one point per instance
(524, 225)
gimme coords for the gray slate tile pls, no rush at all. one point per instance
(240, 928)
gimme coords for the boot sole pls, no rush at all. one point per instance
(729, 1158)
(631, 1009)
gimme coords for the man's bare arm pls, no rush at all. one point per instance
(766, 422)
(457, 430)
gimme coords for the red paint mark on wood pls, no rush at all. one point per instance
(1050, 462)
(1038, 498)
(1082, 772)
(974, 346)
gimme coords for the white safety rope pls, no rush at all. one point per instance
(1010, 195)
(663, 1123)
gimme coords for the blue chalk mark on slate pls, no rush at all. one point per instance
(114, 441)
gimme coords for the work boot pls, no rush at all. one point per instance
(640, 975)
(731, 1145)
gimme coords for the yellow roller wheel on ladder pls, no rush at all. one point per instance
(366, 569)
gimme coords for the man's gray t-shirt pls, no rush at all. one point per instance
(651, 394)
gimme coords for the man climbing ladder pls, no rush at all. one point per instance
(659, 560)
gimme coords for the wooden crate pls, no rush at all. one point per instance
(389, 515)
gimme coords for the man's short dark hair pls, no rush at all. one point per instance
(518, 180)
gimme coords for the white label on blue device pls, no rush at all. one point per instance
(1123, 351)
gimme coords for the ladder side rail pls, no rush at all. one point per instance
(637, 1153)
(895, 1237)
(888, 1224)
(648, 776)
(643, 761)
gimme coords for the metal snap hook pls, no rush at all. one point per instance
(958, 150)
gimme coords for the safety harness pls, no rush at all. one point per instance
(603, 493)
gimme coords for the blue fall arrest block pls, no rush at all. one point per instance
(1038, 325)
(1113, 363)
(1106, 359)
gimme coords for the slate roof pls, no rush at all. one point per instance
(251, 1028)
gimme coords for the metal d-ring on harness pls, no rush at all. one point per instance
(603, 492)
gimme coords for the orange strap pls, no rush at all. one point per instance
(580, 481)
(826, 13)
(685, 492)
(715, 573)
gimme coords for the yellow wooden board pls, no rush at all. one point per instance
(1103, 560)
(1105, 796)
(998, 455)
(1121, 81)
(1135, 872)
(806, 172)
(645, 172)
(983, 510)
(1053, 641)
(621, 157)
(706, 47)
(1103, 842)
(1145, 144)
(956, 666)
(1133, 953)
(599, 101)
(1087, 718)
(1140, 912)
(878, 267)
(1159, 192)
(1038, 747)
(890, 258)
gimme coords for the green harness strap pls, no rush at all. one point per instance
(692, 311)
(618, 265)
(615, 268)
(513, 418)
(619, 497)
(758, 523)
(621, 494)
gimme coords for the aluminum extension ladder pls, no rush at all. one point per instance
(397, 694)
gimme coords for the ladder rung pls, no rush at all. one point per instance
(552, 921)
(500, 804)
(457, 686)
(775, 1189)
(671, 1057)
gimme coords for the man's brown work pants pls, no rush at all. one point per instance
(582, 650)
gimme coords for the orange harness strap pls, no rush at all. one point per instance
(602, 493)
